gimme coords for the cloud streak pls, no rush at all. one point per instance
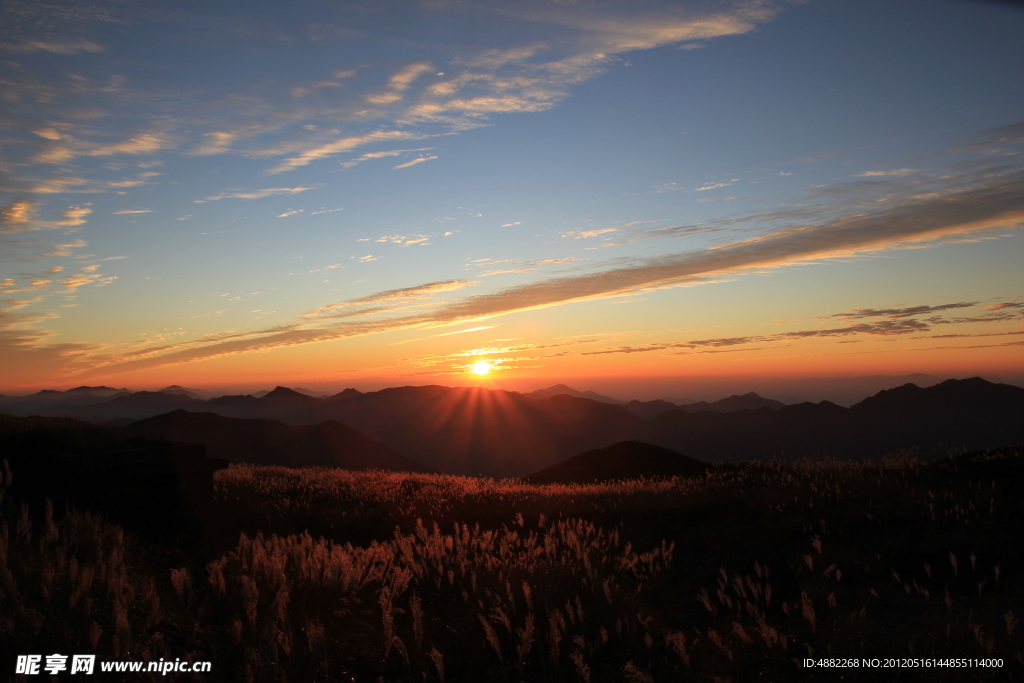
(257, 194)
(407, 164)
(886, 323)
(392, 296)
(340, 146)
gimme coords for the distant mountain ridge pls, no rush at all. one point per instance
(269, 442)
(563, 390)
(497, 433)
(731, 404)
(648, 410)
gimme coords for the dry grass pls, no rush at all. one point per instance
(433, 578)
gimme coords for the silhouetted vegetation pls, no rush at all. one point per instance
(370, 576)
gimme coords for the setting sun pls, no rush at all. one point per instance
(481, 367)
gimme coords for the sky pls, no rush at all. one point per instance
(621, 194)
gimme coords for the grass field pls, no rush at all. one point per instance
(330, 575)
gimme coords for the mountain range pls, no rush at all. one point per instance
(476, 431)
(269, 442)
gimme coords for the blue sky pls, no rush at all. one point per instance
(321, 193)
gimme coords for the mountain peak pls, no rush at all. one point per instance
(181, 391)
(284, 393)
(563, 389)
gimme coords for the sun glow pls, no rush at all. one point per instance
(481, 367)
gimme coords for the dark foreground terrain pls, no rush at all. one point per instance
(332, 575)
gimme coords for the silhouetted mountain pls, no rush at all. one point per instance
(311, 392)
(100, 391)
(51, 402)
(269, 442)
(623, 460)
(57, 434)
(678, 401)
(844, 391)
(144, 483)
(749, 401)
(561, 389)
(951, 396)
(240, 402)
(649, 409)
(478, 431)
(138, 405)
(502, 434)
(284, 394)
(971, 414)
(182, 391)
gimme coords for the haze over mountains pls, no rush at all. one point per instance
(477, 431)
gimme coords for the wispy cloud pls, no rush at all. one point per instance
(60, 48)
(75, 185)
(907, 312)
(257, 194)
(340, 146)
(399, 83)
(65, 148)
(18, 212)
(471, 329)
(393, 295)
(587, 234)
(132, 211)
(519, 266)
(420, 160)
(896, 172)
(21, 216)
(370, 156)
(405, 240)
(215, 142)
(883, 323)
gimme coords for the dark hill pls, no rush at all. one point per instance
(470, 430)
(138, 405)
(648, 410)
(623, 460)
(734, 403)
(240, 402)
(952, 396)
(52, 402)
(957, 414)
(148, 484)
(562, 389)
(58, 434)
(284, 394)
(269, 442)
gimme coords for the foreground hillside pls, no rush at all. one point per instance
(371, 576)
